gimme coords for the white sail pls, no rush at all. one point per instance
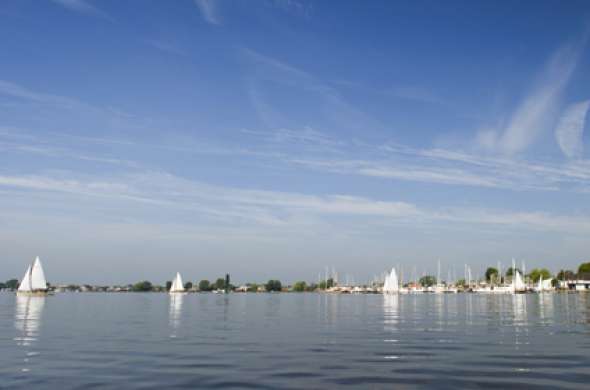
(547, 285)
(25, 283)
(391, 283)
(38, 281)
(518, 283)
(177, 285)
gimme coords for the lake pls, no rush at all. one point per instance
(290, 340)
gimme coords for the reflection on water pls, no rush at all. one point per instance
(27, 321)
(296, 341)
(546, 308)
(520, 319)
(175, 313)
(390, 311)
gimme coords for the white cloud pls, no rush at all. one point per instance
(208, 10)
(570, 129)
(228, 205)
(536, 112)
(84, 7)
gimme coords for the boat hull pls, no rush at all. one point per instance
(32, 293)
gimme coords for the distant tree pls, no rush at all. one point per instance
(273, 285)
(227, 283)
(427, 281)
(325, 284)
(491, 272)
(584, 268)
(188, 285)
(311, 287)
(510, 271)
(2, 286)
(12, 284)
(219, 284)
(566, 275)
(461, 282)
(299, 286)
(142, 286)
(539, 272)
(168, 285)
(204, 285)
(252, 287)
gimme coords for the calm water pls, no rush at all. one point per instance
(294, 341)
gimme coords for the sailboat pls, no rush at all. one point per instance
(543, 285)
(518, 285)
(177, 285)
(33, 282)
(391, 285)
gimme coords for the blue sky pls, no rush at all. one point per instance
(275, 138)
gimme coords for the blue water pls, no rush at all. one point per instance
(149, 341)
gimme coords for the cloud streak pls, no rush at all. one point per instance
(208, 9)
(265, 208)
(570, 129)
(84, 7)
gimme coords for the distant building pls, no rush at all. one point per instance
(577, 285)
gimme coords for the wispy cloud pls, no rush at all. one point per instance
(84, 7)
(537, 111)
(271, 208)
(167, 47)
(209, 11)
(329, 106)
(570, 129)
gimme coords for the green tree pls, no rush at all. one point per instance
(219, 284)
(204, 285)
(299, 286)
(227, 283)
(12, 284)
(142, 286)
(584, 268)
(566, 275)
(510, 271)
(491, 272)
(252, 287)
(539, 272)
(461, 282)
(168, 285)
(325, 284)
(427, 281)
(273, 285)
(311, 287)
(188, 285)
(2, 286)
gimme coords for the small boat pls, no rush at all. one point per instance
(518, 285)
(177, 285)
(543, 285)
(391, 285)
(33, 282)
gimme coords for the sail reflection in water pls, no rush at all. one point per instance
(27, 321)
(390, 311)
(546, 308)
(175, 313)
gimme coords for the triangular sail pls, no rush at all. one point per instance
(518, 283)
(25, 284)
(38, 281)
(177, 285)
(391, 283)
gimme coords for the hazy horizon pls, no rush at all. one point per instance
(272, 139)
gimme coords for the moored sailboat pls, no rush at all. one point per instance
(33, 282)
(177, 285)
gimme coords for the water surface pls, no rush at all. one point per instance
(126, 340)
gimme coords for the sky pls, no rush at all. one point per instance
(275, 138)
